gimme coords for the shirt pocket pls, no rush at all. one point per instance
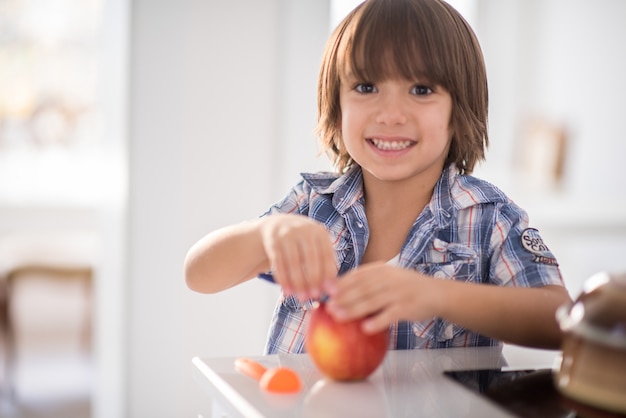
(450, 261)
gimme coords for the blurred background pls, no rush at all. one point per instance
(130, 128)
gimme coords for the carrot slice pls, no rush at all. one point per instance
(279, 379)
(250, 368)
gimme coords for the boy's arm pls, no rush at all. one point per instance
(226, 257)
(517, 315)
(296, 248)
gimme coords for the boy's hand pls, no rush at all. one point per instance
(300, 254)
(384, 294)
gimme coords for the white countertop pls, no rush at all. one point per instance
(408, 384)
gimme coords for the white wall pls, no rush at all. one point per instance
(563, 61)
(217, 108)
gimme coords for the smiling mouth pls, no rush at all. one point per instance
(391, 145)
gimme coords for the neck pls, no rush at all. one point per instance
(391, 209)
(398, 196)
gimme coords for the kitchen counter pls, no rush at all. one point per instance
(408, 384)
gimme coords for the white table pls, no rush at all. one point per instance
(407, 384)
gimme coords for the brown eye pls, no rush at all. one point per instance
(365, 88)
(421, 90)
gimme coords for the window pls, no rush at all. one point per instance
(50, 118)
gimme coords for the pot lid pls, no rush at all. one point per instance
(599, 313)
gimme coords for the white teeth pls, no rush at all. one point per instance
(390, 145)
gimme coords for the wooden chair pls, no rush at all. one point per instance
(57, 255)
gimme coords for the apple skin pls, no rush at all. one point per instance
(341, 350)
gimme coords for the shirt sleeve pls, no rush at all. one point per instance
(519, 256)
(296, 201)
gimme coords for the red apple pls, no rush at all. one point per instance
(341, 350)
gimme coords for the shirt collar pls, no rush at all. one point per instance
(442, 204)
(453, 191)
(346, 188)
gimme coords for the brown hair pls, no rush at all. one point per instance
(417, 39)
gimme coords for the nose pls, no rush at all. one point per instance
(391, 110)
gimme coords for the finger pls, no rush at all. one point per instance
(310, 268)
(325, 263)
(359, 294)
(377, 322)
(328, 260)
(294, 269)
(351, 287)
(279, 270)
(288, 268)
(347, 310)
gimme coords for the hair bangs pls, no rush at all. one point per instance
(388, 43)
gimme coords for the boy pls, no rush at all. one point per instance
(401, 234)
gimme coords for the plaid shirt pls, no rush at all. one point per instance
(470, 231)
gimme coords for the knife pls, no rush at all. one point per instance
(269, 278)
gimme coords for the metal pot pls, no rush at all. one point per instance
(593, 366)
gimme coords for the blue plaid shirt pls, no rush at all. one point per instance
(470, 231)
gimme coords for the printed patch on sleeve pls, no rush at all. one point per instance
(532, 242)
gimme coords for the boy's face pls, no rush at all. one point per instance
(396, 130)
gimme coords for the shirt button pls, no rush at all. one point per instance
(359, 224)
(440, 275)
